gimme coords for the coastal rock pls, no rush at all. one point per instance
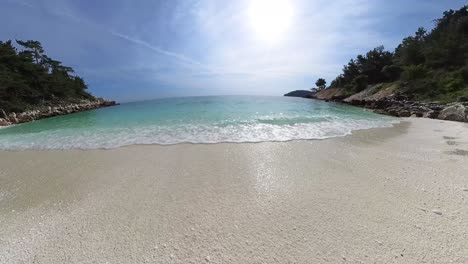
(404, 113)
(49, 111)
(384, 99)
(4, 122)
(366, 96)
(455, 112)
(25, 117)
(331, 94)
(13, 119)
(431, 114)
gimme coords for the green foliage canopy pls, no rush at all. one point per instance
(29, 78)
(321, 83)
(427, 66)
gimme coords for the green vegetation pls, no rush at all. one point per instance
(427, 66)
(321, 84)
(29, 78)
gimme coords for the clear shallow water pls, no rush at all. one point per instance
(195, 120)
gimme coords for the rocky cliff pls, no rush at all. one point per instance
(385, 99)
(64, 108)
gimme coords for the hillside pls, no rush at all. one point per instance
(29, 79)
(425, 67)
(34, 86)
(427, 73)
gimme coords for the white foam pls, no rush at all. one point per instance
(166, 135)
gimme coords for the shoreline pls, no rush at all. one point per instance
(43, 112)
(392, 124)
(386, 101)
(385, 195)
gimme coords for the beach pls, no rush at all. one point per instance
(383, 195)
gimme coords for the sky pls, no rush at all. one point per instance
(129, 50)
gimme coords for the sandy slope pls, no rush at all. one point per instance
(395, 195)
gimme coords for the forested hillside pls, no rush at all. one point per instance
(429, 66)
(29, 78)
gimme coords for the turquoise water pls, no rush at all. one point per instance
(193, 119)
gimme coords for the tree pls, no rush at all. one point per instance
(359, 83)
(425, 66)
(392, 72)
(321, 84)
(28, 77)
(34, 48)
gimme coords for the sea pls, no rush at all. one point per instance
(198, 120)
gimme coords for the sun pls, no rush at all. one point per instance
(270, 19)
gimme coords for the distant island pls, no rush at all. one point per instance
(426, 75)
(35, 86)
(300, 93)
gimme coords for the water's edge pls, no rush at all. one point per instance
(209, 120)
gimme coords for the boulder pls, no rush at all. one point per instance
(404, 113)
(4, 122)
(417, 114)
(25, 117)
(13, 119)
(431, 114)
(393, 111)
(455, 112)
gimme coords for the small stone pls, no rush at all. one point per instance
(437, 212)
(208, 259)
(294, 228)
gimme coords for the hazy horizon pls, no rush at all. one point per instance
(130, 51)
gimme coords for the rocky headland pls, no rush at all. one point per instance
(387, 100)
(45, 111)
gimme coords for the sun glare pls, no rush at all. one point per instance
(270, 19)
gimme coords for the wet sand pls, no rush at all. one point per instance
(388, 195)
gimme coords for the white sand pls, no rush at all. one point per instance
(394, 195)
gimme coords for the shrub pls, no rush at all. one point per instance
(451, 82)
(414, 72)
(392, 72)
(359, 83)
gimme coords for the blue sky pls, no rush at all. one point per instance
(136, 50)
